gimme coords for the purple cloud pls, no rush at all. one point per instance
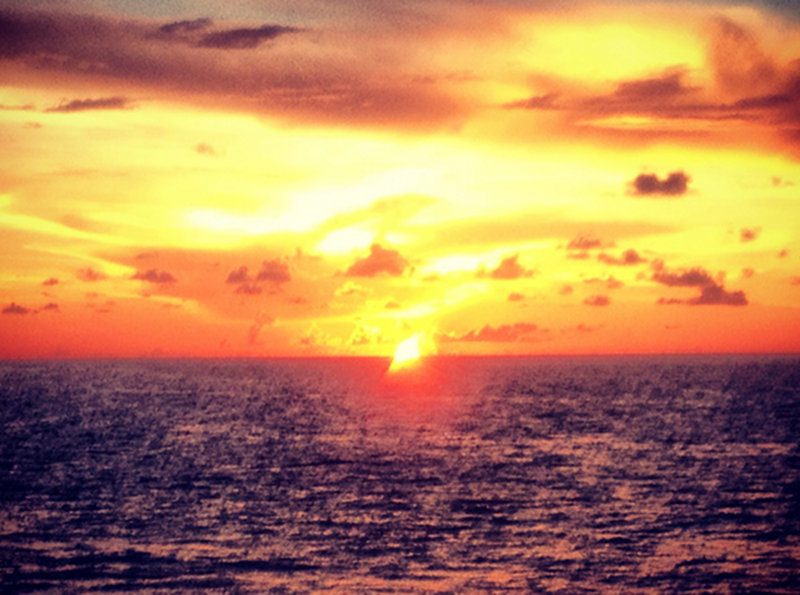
(380, 260)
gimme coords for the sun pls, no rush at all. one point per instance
(406, 353)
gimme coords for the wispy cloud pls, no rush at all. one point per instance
(82, 105)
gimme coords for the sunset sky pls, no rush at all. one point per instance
(275, 178)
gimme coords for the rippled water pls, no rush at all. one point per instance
(631, 475)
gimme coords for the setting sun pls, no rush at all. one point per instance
(406, 353)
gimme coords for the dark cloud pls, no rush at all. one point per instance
(380, 260)
(566, 290)
(515, 297)
(711, 290)
(695, 277)
(275, 271)
(629, 257)
(711, 295)
(663, 89)
(196, 33)
(183, 57)
(597, 300)
(509, 268)
(50, 306)
(504, 333)
(748, 273)
(90, 275)
(154, 276)
(740, 65)
(13, 308)
(238, 276)
(184, 29)
(748, 234)
(51, 281)
(675, 184)
(242, 39)
(82, 105)
(248, 289)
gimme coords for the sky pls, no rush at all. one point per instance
(309, 178)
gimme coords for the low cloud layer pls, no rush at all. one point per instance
(505, 333)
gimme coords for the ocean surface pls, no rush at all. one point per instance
(551, 475)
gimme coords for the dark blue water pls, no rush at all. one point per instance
(631, 475)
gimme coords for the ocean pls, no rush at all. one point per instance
(646, 474)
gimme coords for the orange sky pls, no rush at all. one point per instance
(257, 178)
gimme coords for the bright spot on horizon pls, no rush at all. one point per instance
(406, 353)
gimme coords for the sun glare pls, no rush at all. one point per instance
(406, 353)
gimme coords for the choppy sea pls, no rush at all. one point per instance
(550, 475)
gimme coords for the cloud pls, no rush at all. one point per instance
(748, 273)
(795, 281)
(695, 277)
(629, 257)
(275, 271)
(675, 184)
(238, 276)
(711, 295)
(584, 243)
(711, 291)
(748, 234)
(248, 289)
(610, 283)
(262, 319)
(364, 335)
(184, 30)
(380, 260)
(90, 275)
(505, 333)
(740, 65)
(509, 268)
(537, 102)
(205, 149)
(304, 79)
(663, 89)
(242, 39)
(13, 308)
(350, 288)
(49, 282)
(82, 105)
(50, 306)
(515, 297)
(154, 276)
(597, 300)
(566, 290)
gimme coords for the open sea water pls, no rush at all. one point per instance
(550, 475)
